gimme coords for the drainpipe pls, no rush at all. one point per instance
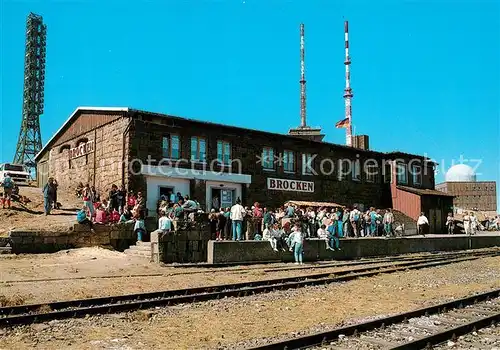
(125, 134)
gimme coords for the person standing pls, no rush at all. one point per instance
(422, 224)
(121, 197)
(296, 240)
(87, 199)
(113, 198)
(237, 215)
(354, 218)
(54, 199)
(450, 224)
(216, 203)
(388, 221)
(474, 223)
(48, 195)
(8, 186)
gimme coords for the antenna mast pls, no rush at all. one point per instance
(347, 91)
(302, 79)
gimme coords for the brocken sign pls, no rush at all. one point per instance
(83, 149)
(290, 185)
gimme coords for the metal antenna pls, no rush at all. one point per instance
(347, 91)
(303, 123)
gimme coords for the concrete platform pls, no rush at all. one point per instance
(223, 252)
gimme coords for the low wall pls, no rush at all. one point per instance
(188, 243)
(119, 236)
(315, 249)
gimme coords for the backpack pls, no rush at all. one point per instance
(8, 183)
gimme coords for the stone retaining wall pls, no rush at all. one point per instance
(119, 236)
(315, 249)
(187, 243)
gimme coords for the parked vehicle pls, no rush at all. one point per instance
(17, 172)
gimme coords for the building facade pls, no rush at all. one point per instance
(158, 154)
(479, 195)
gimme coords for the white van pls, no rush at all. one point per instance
(17, 172)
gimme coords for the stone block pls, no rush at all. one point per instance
(114, 234)
(193, 235)
(28, 239)
(62, 240)
(50, 240)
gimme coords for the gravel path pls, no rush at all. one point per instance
(237, 323)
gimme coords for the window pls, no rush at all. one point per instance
(342, 170)
(356, 173)
(371, 173)
(288, 161)
(171, 147)
(417, 175)
(268, 158)
(402, 173)
(387, 173)
(224, 152)
(307, 164)
(198, 149)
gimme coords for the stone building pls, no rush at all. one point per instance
(470, 194)
(158, 154)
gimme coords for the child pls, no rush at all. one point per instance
(101, 216)
(296, 240)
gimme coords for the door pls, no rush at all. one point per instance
(438, 227)
(227, 198)
(42, 173)
(432, 221)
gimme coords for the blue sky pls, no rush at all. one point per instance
(425, 74)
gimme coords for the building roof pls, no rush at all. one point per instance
(424, 191)
(80, 109)
(73, 116)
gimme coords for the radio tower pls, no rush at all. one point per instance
(347, 91)
(302, 79)
(303, 130)
(30, 140)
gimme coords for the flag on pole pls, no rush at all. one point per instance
(343, 123)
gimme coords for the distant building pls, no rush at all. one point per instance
(470, 194)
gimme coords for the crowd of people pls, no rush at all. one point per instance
(119, 206)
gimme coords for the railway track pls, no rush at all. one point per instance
(26, 314)
(419, 329)
(236, 270)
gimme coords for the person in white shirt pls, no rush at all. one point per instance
(474, 223)
(237, 215)
(296, 240)
(324, 235)
(466, 219)
(354, 218)
(270, 234)
(164, 223)
(422, 224)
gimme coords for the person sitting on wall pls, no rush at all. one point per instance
(82, 218)
(131, 199)
(164, 223)
(114, 217)
(101, 216)
(126, 216)
(270, 236)
(324, 235)
(189, 205)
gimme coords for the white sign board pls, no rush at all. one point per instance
(290, 185)
(81, 150)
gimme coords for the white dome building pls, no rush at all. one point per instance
(460, 173)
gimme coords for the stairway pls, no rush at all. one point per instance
(142, 249)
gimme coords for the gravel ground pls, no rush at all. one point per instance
(26, 279)
(237, 323)
(486, 338)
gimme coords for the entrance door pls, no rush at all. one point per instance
(432, 221)
(226, 198)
